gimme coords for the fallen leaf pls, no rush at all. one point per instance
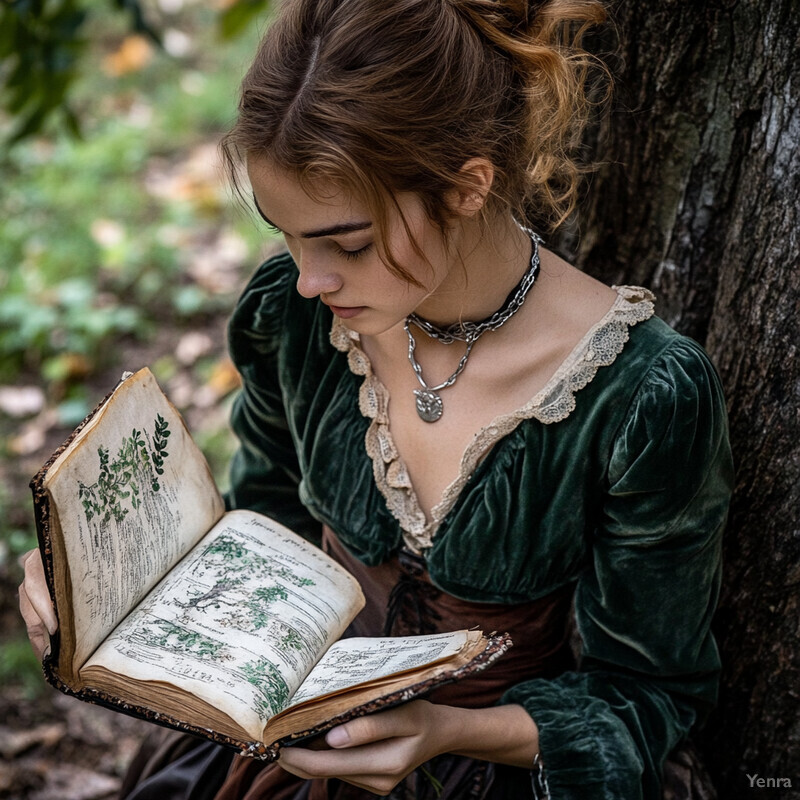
(217, 264)
(32, 436)
(65, 782)
(133, 54)
(12, 742)
(67, 367)
(193, 345)
(21, 401)
(17, 781)
(177, 43)
(107, 232)
(224, 378)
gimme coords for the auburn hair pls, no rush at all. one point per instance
(386, 97)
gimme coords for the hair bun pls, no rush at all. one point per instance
(508, 16)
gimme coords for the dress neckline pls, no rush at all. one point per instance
(554, 402)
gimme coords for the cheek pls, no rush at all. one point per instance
(415, 265)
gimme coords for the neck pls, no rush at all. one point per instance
(485, 266)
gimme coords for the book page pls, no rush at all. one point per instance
(354, 661)
(240, 621)
(133, 494)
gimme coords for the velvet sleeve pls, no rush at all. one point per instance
(265, 473)
(649, 665)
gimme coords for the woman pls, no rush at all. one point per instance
(481, 433)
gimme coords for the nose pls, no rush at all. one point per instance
(317, 275)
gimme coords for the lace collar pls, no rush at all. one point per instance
(599, 347)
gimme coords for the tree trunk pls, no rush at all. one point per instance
(698, 198)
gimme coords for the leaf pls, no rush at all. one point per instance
(133, 55)
(138, 19)
(237, 17)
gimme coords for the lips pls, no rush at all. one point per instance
(346, 312)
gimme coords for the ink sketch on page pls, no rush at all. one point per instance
(138, 495)
(240, 621)
(350, 662)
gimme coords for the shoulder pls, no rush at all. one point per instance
(667, 362)
(273, 322)
(676, 417)
(261, 308)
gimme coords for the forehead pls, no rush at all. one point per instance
(280, 192)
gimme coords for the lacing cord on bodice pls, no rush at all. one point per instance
(411, 601)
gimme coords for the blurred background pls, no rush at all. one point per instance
(120, 246)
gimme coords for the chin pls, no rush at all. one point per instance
(372, 325)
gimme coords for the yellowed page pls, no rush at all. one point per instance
(358, 660)
(133, 494)
(240, 621)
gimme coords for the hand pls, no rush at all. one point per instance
(377, 751)
(35, 605)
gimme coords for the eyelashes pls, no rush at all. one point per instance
(352, 255)
(348, 255)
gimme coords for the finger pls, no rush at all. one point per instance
(36, 589)
(374, 728)
(37, 633)
(390, 757)
(377, 784)
(363, 782)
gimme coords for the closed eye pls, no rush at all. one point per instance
(352, 255)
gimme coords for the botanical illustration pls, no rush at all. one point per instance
(136, 468)
(165, 634)
(241, 620)
(271, 691)
(131, 519)
(245, 583)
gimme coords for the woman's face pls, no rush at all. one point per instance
(334, 245)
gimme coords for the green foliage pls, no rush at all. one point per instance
(186, 641)
(123, 479)
(43, 46)
(268, 594)
(99, 235)
(40, 45)
(233, 553)
(259, 602)
(291, 641)
(90, 253)
(159, 452)
(271, 688)
(20, 667)
(235, 19)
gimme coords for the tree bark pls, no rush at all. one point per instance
(698, 198)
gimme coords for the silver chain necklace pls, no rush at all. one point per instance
(429, 403)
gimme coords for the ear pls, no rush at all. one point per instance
(475, 180)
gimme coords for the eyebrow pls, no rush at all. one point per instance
(333, 230)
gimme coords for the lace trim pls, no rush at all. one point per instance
(554, 402)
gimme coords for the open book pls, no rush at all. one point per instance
(227, 625)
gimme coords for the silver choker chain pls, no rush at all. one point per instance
(429, 403)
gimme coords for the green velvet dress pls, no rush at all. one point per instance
(616, 478)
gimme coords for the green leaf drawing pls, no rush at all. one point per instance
(272, 693)
(120, 482)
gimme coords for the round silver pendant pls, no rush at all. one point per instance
(429, 405)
